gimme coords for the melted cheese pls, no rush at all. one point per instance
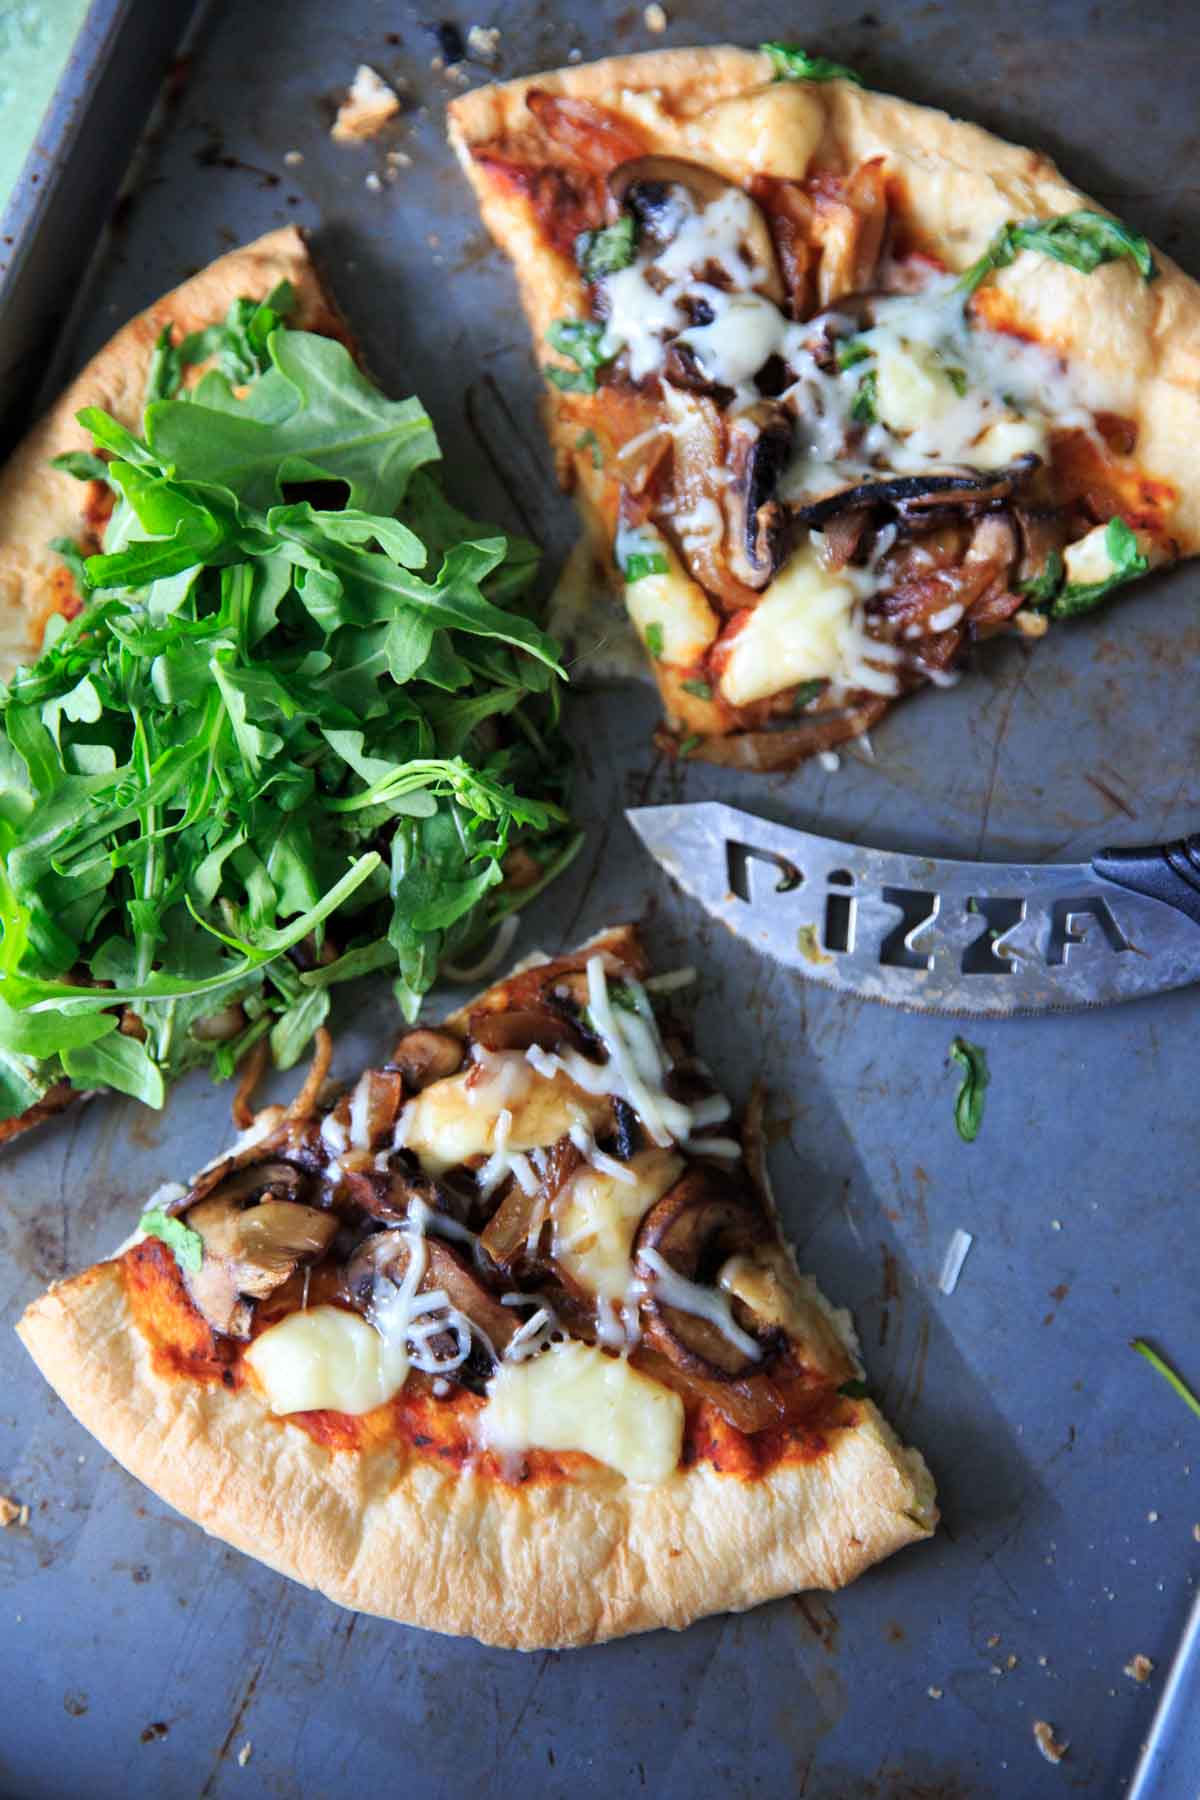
(596, 1216)
(576, 1398)
(773, 130)
(807, 626)
(1088, 563)
(456, 1119)
(679, 608)
(326, 1357)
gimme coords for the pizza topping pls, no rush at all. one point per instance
(693, 1230)
(249, 1251)
(575, 1397)
(326, 1357)
(1082, 239)
(790, 63)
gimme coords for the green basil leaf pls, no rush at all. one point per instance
(852, 351)
(790, 63)
(1041, 588)
(1084, 240)
(604, 252)
(653, 636)
(582, 341)
(864, 408)
(968, 1105)
(185, 1245)
(701, 689)
(587, 440)
(806, 693)
(641, 563)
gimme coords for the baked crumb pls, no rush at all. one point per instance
(483, 43)
(293, 158)
(1152, 1518)
(12, 1512)
(993, 1640)
(368, 106)
(934, 1693)
(1011, 1663)
(654, 18)
(1196, 1533)
(1139, 1668)
(1047, 1743)
(373, 183)
(245, 1753)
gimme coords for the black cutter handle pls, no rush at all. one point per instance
(1169, 872)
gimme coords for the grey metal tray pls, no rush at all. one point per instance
(136, 1655)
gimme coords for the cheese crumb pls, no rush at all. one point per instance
(368, 106)
(12, 1512)
(373, 184)
(293, 158)
(1047, 1743)
(245, 1753)
(1196, 1532)
(655, 18)
(934, 1693)
(1152, 1518)
(1139, 1668)
(483, 43)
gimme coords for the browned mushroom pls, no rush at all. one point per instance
(1043, 532)
(518, 1218)
(910, 495)
(385, 1257)
(695, 1228)
(518, 1030)
(424, 1056)
(760, 443)
(388, 1193)
(250, 1251)
(647, 187)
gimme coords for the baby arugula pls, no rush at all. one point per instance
(290, 738)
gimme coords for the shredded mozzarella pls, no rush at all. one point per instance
(675, 1290)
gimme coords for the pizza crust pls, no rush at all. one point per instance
(38, 503)
(1141, 339)
(547, 1565)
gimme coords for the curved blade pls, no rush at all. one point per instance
(919, 931)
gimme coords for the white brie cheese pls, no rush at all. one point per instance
(574, 1397)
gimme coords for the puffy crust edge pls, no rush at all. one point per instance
(38, 503)
(962, 183)
(545, 1566)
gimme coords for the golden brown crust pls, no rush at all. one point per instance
(372, 1515)
(960, 184)
(38, 503)
(545, 1565)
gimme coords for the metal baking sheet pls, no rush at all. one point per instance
(141, 1657)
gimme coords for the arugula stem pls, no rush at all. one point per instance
(1168, 1374)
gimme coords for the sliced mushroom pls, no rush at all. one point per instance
(250, 1251)
(385, 1256)
(388, 1193)
(909, 495)
(760, 444)
(424, 1056)
(696, 1227)
(519, 1030)
(644, 187)
(1043, 532)
(519, 1217)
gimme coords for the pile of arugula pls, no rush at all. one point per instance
(267, 755)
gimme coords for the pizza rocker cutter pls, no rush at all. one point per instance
(934, 934)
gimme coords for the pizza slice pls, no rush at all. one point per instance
(43, 502)
(506, 1342)
(841, 384)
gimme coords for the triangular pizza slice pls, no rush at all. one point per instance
(841, 384)
(506, 1342)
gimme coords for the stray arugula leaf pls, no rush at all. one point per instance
(605, 251)
(640, 563)
(84, 465)
(790, 63)
(272, 730)
(582, 341)
(855, 1390)
(805, 694)
(653, 636)
(851, 351)
(701, 689)
(1169, 1375)
(968, 1104)
(1127, 561)
(1041, 588)
(1082, 239)
(587, 440)
(864, 408)
(185, 1245)
(688, 744)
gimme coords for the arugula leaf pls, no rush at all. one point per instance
(653, 636)
(84, 465)
(701, 689)
(968, 1104)
(1127, 562)
(1082, 239)
(185, 1245)
(277, 727)
(587, 440)
(605, 251)
(582, 340)
(791, 63)
(805, 693)
(864, 408)
(640, 563)
(1169, 1375)
(1041, 588)
(851, 351)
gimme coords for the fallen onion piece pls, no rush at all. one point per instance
(956, 1256)
(506, 931)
